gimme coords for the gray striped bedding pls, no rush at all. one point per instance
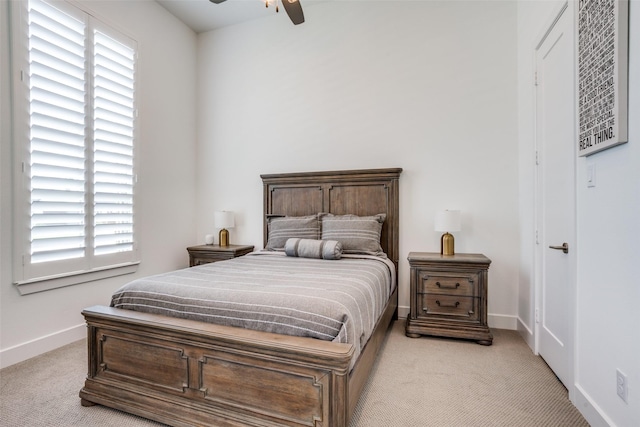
(334, 300)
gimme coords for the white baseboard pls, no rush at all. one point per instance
(403, 312)
(527, 334)
(21, 352)
(502, 321)
(589, 410)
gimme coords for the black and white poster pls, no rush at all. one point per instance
(603, 39)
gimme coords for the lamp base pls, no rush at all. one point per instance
(446, 244)
(224, 237)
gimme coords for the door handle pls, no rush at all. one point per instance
(564, 248)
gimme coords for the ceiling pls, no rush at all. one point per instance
(202, 15)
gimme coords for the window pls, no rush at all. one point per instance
(75, 127)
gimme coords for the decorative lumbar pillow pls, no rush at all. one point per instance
(307, 248)
(358, 234)
(281, 229)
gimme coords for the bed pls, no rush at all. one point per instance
(185, 372)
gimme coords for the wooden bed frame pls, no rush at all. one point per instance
(185, 373)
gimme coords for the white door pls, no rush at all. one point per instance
(556, 141)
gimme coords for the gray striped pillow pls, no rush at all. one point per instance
(281, 229)
(307, 248)
(358, 234)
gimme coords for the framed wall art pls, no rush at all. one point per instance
(603, 56)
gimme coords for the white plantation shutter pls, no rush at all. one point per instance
(113, 107)
(78, 78)
(57, 86)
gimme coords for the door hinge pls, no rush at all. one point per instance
(537, 315)
(535, 78)
(537, 239)
(537, 158)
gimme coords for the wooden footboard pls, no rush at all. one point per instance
(185, 373)
(189, 373)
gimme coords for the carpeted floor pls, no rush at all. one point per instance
(415, 382)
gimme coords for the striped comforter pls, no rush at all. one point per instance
(334, 300)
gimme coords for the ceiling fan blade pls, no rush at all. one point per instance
(294, 10)
(216, 1)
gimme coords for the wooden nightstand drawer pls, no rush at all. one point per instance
(204, 254)
(195, 260)
(454, 307)
(453, 284)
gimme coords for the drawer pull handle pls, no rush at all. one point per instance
(447, 287)
(457, 303)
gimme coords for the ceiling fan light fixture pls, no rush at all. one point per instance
(271, 2)
(292, 7)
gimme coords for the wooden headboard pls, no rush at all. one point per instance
(359, 192)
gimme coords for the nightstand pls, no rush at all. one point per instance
(449, 296)
(204, 254)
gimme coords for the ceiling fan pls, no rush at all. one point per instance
(292, 7)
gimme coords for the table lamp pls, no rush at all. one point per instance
(447, 220)
(223, 220)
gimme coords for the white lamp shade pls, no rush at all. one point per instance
(223, 219)
(447, 221)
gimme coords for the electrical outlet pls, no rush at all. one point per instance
(621, 385)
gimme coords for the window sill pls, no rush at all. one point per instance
(54, 282)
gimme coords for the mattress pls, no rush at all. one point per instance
(333, 300)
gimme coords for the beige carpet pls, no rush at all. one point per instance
(415, 382)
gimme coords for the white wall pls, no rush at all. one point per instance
(426, 86)
(608, 286)
(608, 247)
(36, 323)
